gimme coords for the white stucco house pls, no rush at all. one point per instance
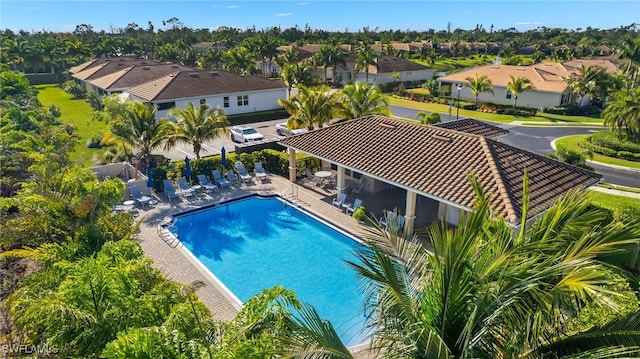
(388, 65)
(548, 78)
(233, 93)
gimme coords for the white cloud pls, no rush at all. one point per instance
(284, 14)
(527, 23)
(304, 3)
(234, 7)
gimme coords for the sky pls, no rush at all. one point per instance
(330, 15)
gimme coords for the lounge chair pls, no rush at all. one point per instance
(208, 186)
(339, 201)
(351, 207)
(138, 196)
(220, 181)
(259, 170)
(242, 172)
(232, 178)
(169, 189)
(358, 186)
(388, 218)
(185, 188)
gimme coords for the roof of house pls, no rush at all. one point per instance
(185, 84)
(474, 127)
(102, 67)
(436, 162)
(387, 64)
(546, 76)
(136, 75)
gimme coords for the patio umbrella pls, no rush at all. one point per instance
(149, 177)
(187, 163)
(223, 161)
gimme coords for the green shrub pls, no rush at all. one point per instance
(609, 139)
(360, 214)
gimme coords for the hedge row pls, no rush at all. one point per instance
(571, 110)
(443, 100)
(611, 152)
(275, 162)
(610, 140)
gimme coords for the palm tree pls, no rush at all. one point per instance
(366, 57)
(629, 49)
(331, 55)
(622, 112)
(196, 125)
(478, 85)
(518, 85)
(486, 292)
(138, 128)
(310, 107)
(295, 75)
(362, 99)
(585, 81)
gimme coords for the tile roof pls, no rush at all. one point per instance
(136, 75)
(185, 84)
(436, 162)
(475, 127)
(103, 67)
(387, 64)
(546, 76)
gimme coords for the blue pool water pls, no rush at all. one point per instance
(257, 243)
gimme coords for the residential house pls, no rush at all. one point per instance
(121, 80)
(429, 166)
(233, 93)
(548, 78)
(387, 66)
(100, 67)
(206, 45)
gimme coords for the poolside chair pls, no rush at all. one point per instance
(313, 178)
(351, 207)
(220, 181)
(339, 201)
(138, 196)
(208, 186)
(185, 188)
(244, 175)
(169, 189)
(232, 178)
(259, 170)
(388, 218)
(358, 186)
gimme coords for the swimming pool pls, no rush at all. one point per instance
(257, 243)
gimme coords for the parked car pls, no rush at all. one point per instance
(282, 130)
(245, 134)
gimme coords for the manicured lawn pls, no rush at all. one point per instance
(571, 143)
(77, 113)
(613, 202)
(539, 118)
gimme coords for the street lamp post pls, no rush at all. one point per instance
(458, 108)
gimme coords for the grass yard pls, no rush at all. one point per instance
(613, 202)
(571, 143)
(74, 112)
(539, 118)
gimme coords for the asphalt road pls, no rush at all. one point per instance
(536, 139)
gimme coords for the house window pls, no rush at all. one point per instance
(225, 100)
(203, 101)
(166, 105)
(508, 95)
(243, 100)
(565, 98)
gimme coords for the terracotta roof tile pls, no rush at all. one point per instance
(136, 75)
(475, 127)
(184, 84)
(436, 162)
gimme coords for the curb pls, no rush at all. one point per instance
(630, 169)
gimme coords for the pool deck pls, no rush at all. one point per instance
(179, 265)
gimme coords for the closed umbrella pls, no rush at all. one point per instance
(187, 163)
(223, 161)
(149, 179)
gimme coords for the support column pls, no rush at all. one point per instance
(340, 187)
(410, 213)
(292, 165)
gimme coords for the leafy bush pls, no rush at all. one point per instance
(74, 89)
(609, 139)
(431, 119)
